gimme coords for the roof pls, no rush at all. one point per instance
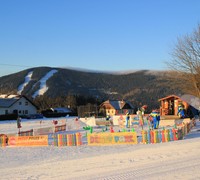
(7, 102)
(118, 104)
(130, 104)
(170, 96)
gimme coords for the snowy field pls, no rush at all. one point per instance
(171, 160)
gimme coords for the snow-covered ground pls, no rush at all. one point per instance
(171, 160)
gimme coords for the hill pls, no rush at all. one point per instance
(139, 87)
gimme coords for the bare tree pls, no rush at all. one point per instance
(185, 63)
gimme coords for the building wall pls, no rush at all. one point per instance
(23, 107)
(3, 110)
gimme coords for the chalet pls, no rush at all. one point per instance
(16, 104)
(169, 105)
(115, 107)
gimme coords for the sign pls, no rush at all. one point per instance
(112, 138)
(28, 141)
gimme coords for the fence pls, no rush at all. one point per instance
(43, 140)
(26, 138)
(26, 133)
(166, 135)
(59, 128)
(158, 136)
(112, 138)
(3, 140)
(65, 139)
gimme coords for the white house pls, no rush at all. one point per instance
(17, 104)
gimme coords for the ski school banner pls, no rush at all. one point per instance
(28, 141)
(112, 138)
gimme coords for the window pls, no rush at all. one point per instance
(6, 111)
(26, 111)
(19, 112)
(26, 103)
(20, 103)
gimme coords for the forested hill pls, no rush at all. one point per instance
(140, 87)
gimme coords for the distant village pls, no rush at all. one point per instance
(14, 106)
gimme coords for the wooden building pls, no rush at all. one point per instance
(115, 107)
(169, 105)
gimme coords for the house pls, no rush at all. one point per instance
(169, 105)
(16, 104)
(115, 107)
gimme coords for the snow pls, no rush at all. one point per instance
(43, 86)
(27, 80)
(8, 96)
(170, 160)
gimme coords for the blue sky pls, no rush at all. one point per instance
(103, 35)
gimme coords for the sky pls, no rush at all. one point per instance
(99, 35)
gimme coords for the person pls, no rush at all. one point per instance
(181, 111)
(158, 118)
(140, 117)
(150, 121)
(127, 120)
(140, 114)
(154, 115)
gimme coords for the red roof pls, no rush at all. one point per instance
(170, 96)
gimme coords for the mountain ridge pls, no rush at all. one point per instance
(140, 87)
